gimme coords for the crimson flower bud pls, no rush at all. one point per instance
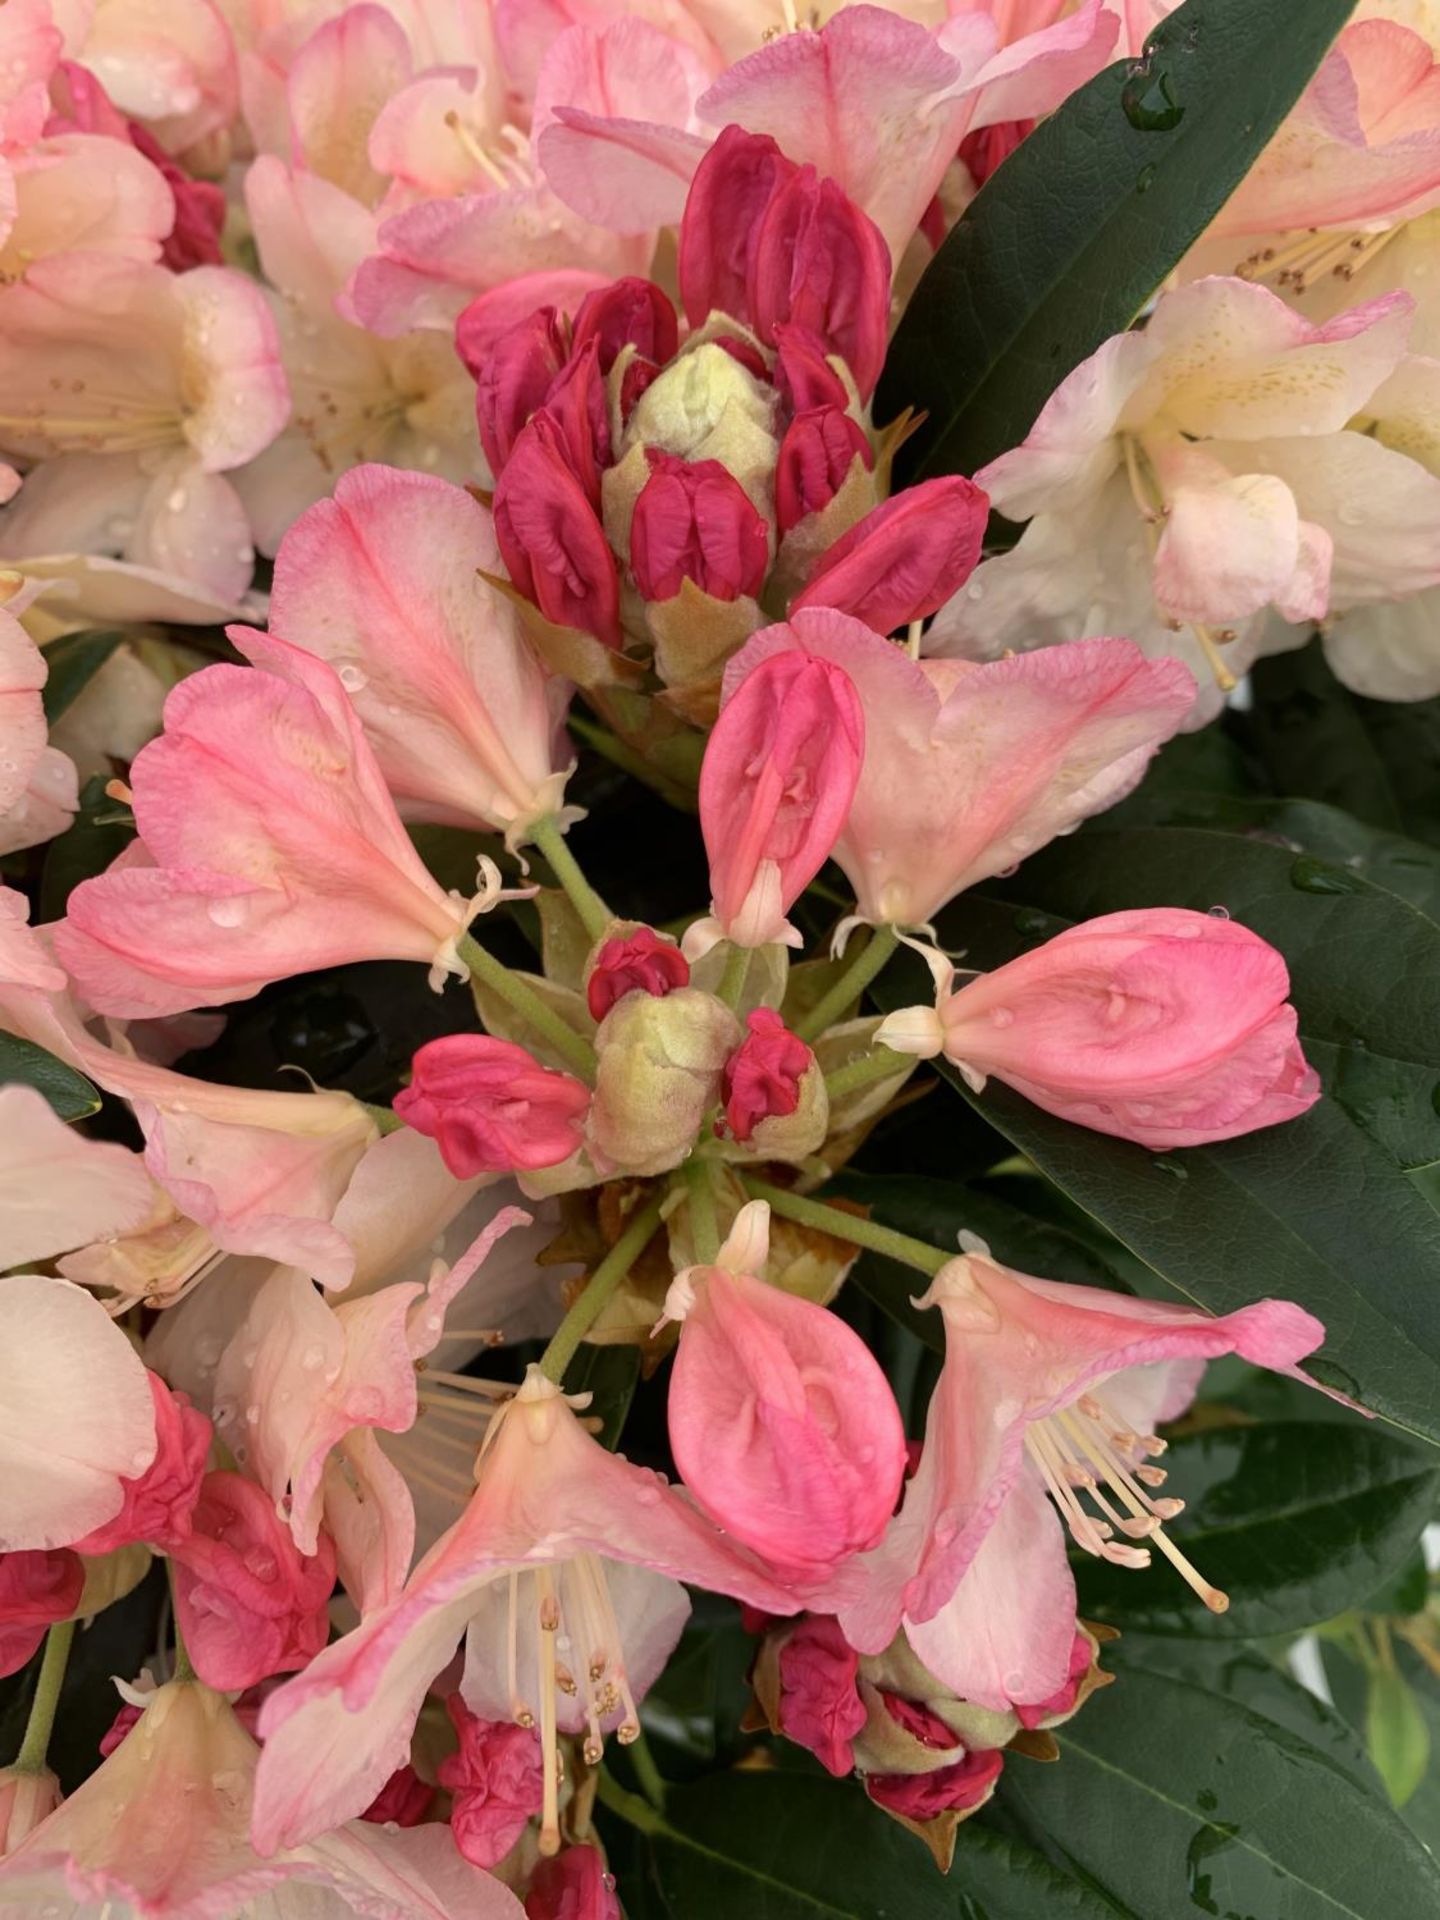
(732, 188)
(572, 1886)
(906, 558)
(158, 1504)
(983, 151)
(762, 1077)
(629, 312)
(960, 1788)
(815, 456)
(491, 1107)
(637, 962)
(550, 536)
(804, 377)
(820, 1707)
(821, 262)
(576, 404)
(495, 1781)
(512, 376)
(38, 1586)
(694, 521)
(405, 1800)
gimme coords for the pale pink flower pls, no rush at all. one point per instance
(160, 1830)
(58, 1189)
(1162, 1026)
(65, 1370)
(1047, 1389)
(1197, 473)
(382, 582)
(167, 63)
(776, 785)
(143, 387)
(967, 768)
(356, 398)
(38, 791)
(276, 849)
(781, 1422)
(558, 1532)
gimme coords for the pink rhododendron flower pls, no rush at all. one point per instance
(172, 67)
(37, 1588)
(139, 390)
(494, 1782)
(905, 559)
(162, 1827)
(693, 521)
(762, 1077)
(1192, 475)
(573, 1886)
(491, 1107)
(820, 1704)
(638, 962)
(59, 1190)
(38, 790)
(65, 1368)
(381, 582)
(248, 1602)
(1047, 1389)
(967, 769)
(781, 1422)
(1162, 1026)
(261, 806)
(779, 773)
(595, 1547)
(160, 1502)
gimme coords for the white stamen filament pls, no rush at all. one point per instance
(1304, 259)
(1082, 1446)
(549, 1622)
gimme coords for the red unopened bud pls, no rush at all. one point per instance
(804, 377)
(918, 1721)
(38, 1586)
(572, 1886)
(694, 521)
(822, 263)
(81, 104)
(495, 1781)
(920, 1796)
(629, 312)
(636, 378)
(732, 187)
(551, 539)
(512, 374)
(815, 456)
(405, 1800)
(194, 238)
(576, 404)
(491, 1107)
(983, 151)
(906, 558)
(641, 962)
(159, 1502)
(762, 1077)
(820, 1705)
(1062, 1703)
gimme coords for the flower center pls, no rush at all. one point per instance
(1298, 261)
(1084, 1454)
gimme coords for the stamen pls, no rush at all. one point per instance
(1305, 259)
(549, 1619)
(485, 161)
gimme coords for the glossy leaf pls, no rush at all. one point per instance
(1033, 279)
(1296, 1522)
(73, 661)
(24, 1064)
(1396, 1734)
(789, 1846)
(1183, 1803)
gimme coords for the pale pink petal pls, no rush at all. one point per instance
(1036, 71)
(339, 83)
(170, 63)
(58, 1189)
(237, 400)
(1230, 546)
(413, 141)
(1387, 650)
(76, 1416)
(83, 192)
(190, 525)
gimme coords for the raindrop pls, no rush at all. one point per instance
(312, 1358)
(226, 913)
(1172, 1167)
(1210, 1839)
(1145, 179)
(353, 677)
(1218, 913)
(1002, 1017)
(1149, 102)
(1030, 920)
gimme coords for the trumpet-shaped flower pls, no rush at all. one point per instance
(560, 1538)
(1043, 1420)
(1194, 475)
(59, 1190)
(38, 790)
(381, 582)
(968, 768)
(276, 849)
(1162, 1026)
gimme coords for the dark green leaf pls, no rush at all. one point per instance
(102, 827)
(72, 662)
(1065, 244)
(1295, 1522)
(610, 1374)
(1348, 1680)
(24, 1064)
(789, 1846)
(1183, 1803)
(1315, 742)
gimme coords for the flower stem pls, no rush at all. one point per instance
(851, 984)
(849, 1226)
(41, 1724)
(518, 994)
(879, 1064)
(704, 1230)
(629, 1806)
(732, 981)
(603, 1282)
(595, 916)
(652, 1781)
